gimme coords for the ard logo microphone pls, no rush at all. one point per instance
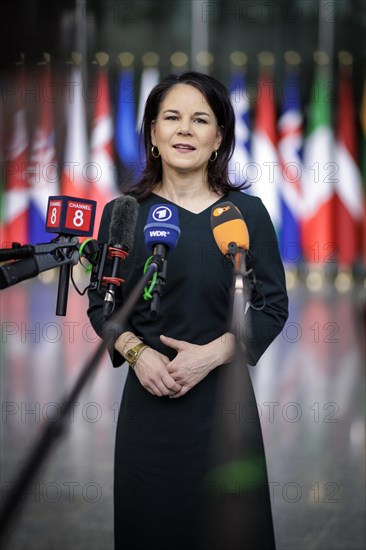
(162, 228)
(161, 236)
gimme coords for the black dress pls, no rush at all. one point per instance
(162, 451)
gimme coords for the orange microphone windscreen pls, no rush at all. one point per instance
(228, 226)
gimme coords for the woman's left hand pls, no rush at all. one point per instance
(190, 365)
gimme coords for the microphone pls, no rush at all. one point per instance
(121, 235)
(161, 236)
(229, 228)
(232, 237)
(68, 216)
(231, 233)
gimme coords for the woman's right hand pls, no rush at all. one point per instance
(152, 373)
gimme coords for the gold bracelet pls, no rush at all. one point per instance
(134, 353)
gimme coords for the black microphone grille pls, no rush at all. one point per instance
(123, 222)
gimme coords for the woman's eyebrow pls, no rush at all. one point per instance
(197, 113)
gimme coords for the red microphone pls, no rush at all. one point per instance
(70, 216)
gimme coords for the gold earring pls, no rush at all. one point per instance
(215, 155)
(153, 152)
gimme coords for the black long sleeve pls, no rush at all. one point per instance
(267, 267)
(194, 305)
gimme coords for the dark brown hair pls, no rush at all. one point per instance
(218, 98)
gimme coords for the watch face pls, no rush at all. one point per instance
(132, 354)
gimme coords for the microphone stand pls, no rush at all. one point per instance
(160, 252)
(238, 514)
(63, 282)
(240, 289)
(58, 426)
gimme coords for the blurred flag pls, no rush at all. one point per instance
(103, 186)
(15, 172)
(348, 185)
(290, 154)
(74, 180)
(149, 79)
(125, 135)
(266, 183)
(42, 170)
(363, 161)
(240, 162)
(319, 176)
(363, 126)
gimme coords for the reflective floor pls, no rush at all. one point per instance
(310, 388)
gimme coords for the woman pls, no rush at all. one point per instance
(163, 436)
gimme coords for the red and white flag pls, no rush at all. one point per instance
(363, 168)
(102, 173)
(320, 172)
(348, 186)
(74, 179)
(264, 148)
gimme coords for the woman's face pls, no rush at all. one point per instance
(185, 130)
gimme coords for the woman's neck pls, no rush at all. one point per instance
(184, 188)
(194, 198)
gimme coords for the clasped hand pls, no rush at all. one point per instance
(160, 376)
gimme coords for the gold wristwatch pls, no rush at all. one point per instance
(134, 353)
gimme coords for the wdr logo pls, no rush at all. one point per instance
(158, 233)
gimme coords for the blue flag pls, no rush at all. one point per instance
(126, 138)
(240, 163)
(290, 154)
